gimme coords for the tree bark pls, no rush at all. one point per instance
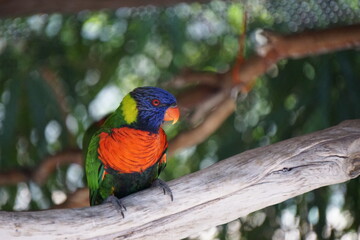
(218, 194)
(278, 47)
(298, 45)
(16, 8)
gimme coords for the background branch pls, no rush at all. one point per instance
(278, 47)
(44, 170)
(77, 199)
(13, 8)
(298, 45)
(55, 84)
(205, 129)
(212, 103)
(215, 195)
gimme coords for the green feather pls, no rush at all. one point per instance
(92, 166)
(125, 114)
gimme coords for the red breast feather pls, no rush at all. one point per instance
(128, 150)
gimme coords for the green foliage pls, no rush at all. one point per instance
(94, 58)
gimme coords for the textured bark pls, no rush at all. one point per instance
(218, 194)
(298, 45)
(15, 8)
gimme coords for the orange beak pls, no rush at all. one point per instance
(172, 114)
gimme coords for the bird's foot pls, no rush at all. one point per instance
(117, 204)
(161, 184)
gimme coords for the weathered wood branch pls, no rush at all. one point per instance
(223, 192)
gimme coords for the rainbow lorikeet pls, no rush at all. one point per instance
(128, 152)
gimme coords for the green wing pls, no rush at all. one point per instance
(94, 169)
(93, 166)
(90, 132)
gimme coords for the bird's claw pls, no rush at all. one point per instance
(161, 184)
(116, 202)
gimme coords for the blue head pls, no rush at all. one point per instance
(148, 107)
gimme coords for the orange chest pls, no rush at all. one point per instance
(128, 150)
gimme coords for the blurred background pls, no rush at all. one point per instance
(61, 72)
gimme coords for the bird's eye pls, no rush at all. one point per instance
(155, 102)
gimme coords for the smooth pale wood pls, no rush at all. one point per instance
(223, 192)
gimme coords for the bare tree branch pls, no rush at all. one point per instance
(188, 77)
(44, 170)
(278, 47)
(207, 127)
(215, 195)
(78, 199)
(55, 84)
(297, 46)
(14, 176)
(16, 8)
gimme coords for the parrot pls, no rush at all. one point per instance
(127, 150)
